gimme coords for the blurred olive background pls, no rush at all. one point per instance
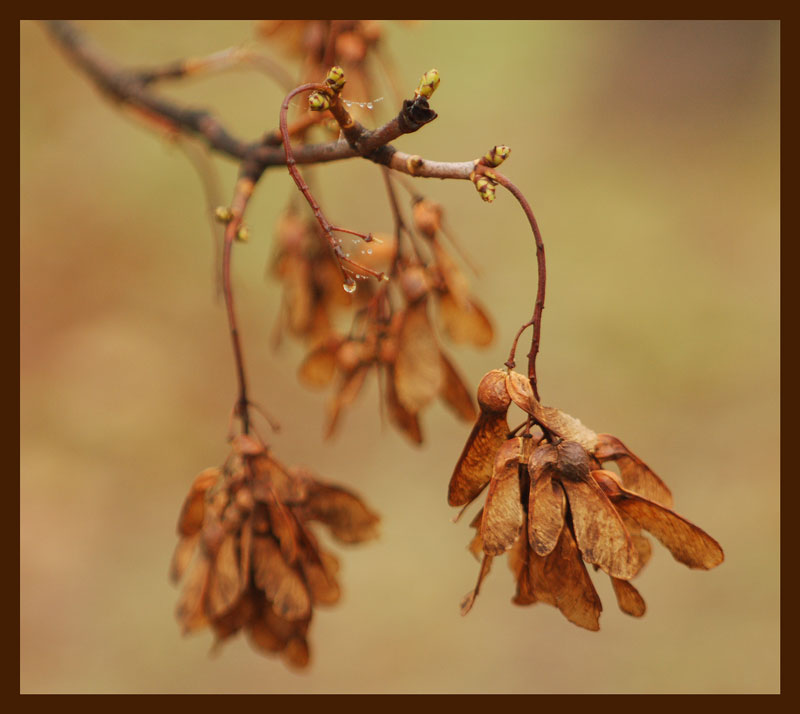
(650, 153)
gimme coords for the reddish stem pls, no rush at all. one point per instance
(536, 319)
(291, 165)
(242, 193)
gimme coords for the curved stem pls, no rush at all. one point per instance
(536, 319)
(327, 227)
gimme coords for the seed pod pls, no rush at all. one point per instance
(427, 217)
(415, 283)
(492, 393)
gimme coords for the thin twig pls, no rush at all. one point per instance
(536, 319)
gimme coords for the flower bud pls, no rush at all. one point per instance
(223, 214)
(485, 188)
(335, 79)
(496, 156)
(428, 84)
(318, 102)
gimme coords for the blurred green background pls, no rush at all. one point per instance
(650, 153)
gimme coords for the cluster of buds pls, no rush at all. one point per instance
(334, 81)
(553, 506)
(484, 181)
(252, 560)
(320, 43)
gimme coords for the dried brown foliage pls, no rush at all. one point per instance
(247, 553)
(393, 336)
(252, 559)
(554, 508)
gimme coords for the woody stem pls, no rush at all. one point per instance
(536, 319)
(243, 191)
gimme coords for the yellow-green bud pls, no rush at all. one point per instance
(335, 79)
(428, 84)
(243, 234)
(223, 214)
(496, 156)
(318, 102)
(486, 189)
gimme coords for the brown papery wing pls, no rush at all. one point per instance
(455, 393)
(349, 389)
(403, 419)
(465, 322)
(628, 598)
(318, 368)
(599, 530)
(637, 476)
(562, 424)
(469, 599)
(191, 518)
(503, 516)
(224, 583)
(570, 585)
(418, 374)
(688, 544)
(349, 520)
(474, 467)
(547, 505)
(280, 583)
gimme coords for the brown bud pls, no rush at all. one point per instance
(492, 393)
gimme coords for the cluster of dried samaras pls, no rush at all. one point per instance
(253, 562)
(392, 331)
(552, 505)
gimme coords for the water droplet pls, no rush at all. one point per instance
(350, 287)
(369, 251)
(369, 105)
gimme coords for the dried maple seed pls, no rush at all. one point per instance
(550, 505)
(260, 568)
(493, 395)
(427, 217)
